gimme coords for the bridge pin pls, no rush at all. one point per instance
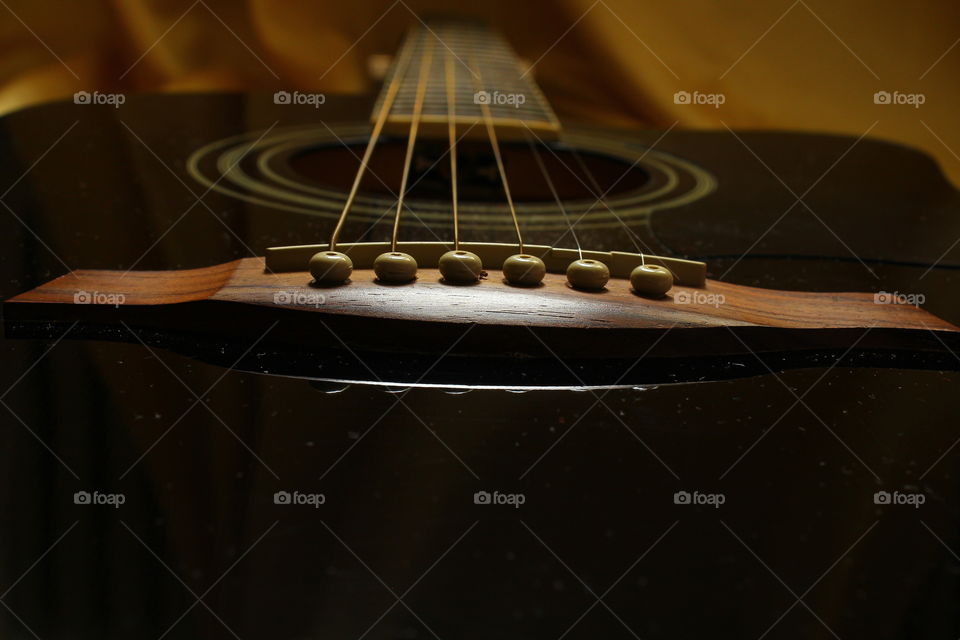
(651, 280)
(524, 270)
(330, 267)
(588, 274)
(395, 267)
(460, 267)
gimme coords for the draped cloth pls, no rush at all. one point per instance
(808, 65)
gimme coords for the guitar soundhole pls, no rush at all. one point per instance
(311, 169)
(334, 167)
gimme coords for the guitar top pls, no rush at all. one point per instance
(629, 223)
(443, 328)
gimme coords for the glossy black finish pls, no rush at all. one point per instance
(399, 471)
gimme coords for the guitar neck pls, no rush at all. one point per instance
(464, 72)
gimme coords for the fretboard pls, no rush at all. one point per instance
(481, 67)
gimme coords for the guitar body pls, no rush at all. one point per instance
(729, 199)
(874, 202)
(797, 427)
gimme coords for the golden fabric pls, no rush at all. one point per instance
(806, 65)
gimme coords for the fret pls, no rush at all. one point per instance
(515, 103)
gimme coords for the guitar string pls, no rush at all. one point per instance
(494, 143)
(425, 63)
(553, 190)
(450, 80)
(389, 99)
(385, 108)
(600, 198)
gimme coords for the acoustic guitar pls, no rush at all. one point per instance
(711, 374)
(494, 175)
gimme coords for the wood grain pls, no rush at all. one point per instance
(490, 322)
(490, 302)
